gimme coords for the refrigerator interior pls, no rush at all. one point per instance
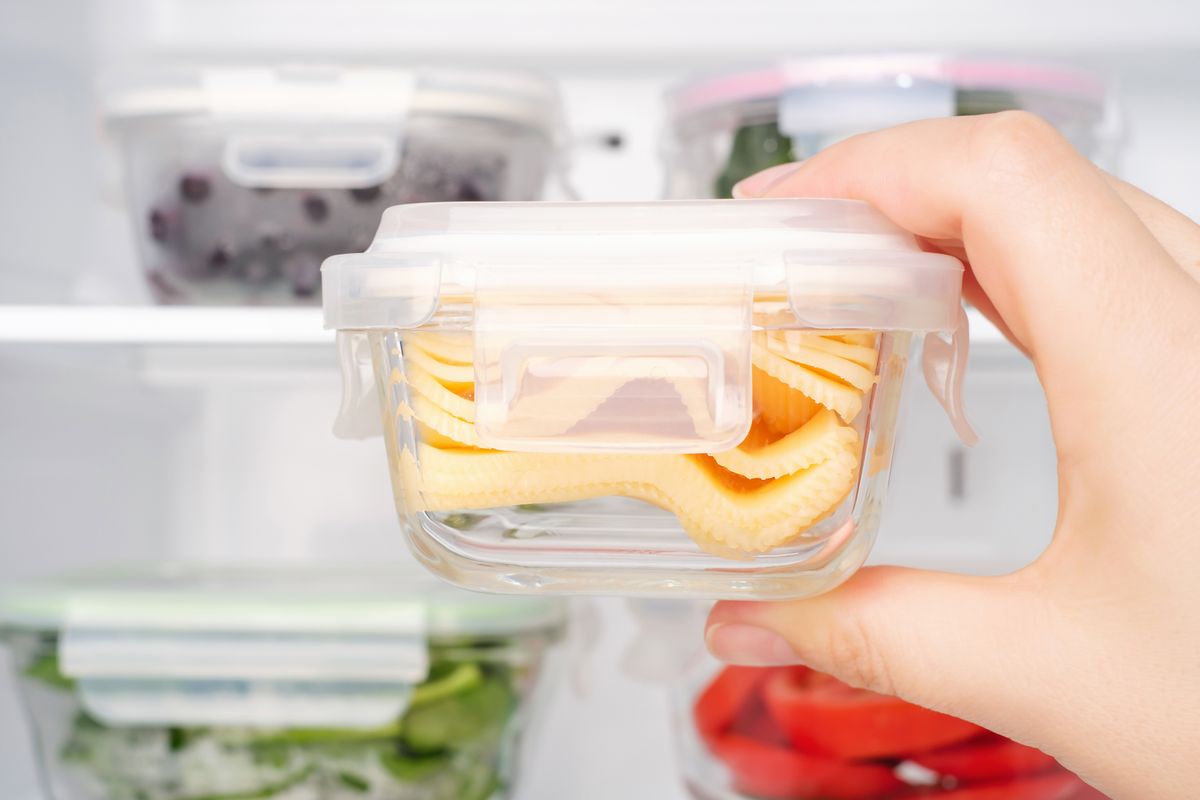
(161, 442)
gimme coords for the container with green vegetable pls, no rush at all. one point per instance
(183, 683)
(725, 127)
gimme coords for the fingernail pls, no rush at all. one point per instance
(758, 183)
(749, 646)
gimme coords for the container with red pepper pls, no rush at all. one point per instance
(791, 733)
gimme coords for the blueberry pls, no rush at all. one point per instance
(160, 225)
(304, 272)
(316, 208)
(367, 194)
(219, 258)
(469, 192)
(194, 188)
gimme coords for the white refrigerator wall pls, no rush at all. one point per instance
(114, 453)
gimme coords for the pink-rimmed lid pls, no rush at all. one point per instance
(967, 73)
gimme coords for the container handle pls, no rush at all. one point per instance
(945, 367)
(319, 162)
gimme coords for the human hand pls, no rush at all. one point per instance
(1091, 653)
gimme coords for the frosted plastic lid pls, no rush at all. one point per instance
(837, 263)
(563, 299)
(255, 599)
(195, 646)
(898, 71)
(334, 95)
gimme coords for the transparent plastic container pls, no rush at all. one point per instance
(181, 682)
(789, 733)
(241, 181)
(725, 127)
(685, 398)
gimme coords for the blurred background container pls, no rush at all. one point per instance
(203, 434)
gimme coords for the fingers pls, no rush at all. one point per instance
(1042, 226)
(1179, 235)
(934, 639)
(1067, 265)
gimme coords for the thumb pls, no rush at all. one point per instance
(957, 644)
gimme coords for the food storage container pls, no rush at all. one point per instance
(685, 398)
(725, 127)
(790, 733)
(181, 683)
(241, 181)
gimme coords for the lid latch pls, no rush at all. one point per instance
(662, 369)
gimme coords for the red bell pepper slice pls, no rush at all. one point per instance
(992, 758)
(820, 714)
(721, 701)
(778, 773)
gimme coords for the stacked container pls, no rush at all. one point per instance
(241, 181)
(726, 127)
(183, 682)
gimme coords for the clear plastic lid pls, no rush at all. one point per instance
(179, 644)
(563, 299)
(872, 91)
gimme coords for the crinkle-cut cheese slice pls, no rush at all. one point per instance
(843, 369)
(424, 383)
(437, 419)
(450, 348)
(456, 377)
(866, 357)
(542, 410)
(845, 401)
(859, 338)
(818, 440)
(780, 407)
(714, 514)
(759, 457)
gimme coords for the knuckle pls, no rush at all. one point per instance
(1018, 146)
(856, 654)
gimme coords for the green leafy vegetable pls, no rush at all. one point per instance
(465, 717)
(451, 743)
(461, 522)
(265, 791)
(755, 148)
(464, 677)
(968, 102)
(354, 782)
(412, 768)
(44, 669)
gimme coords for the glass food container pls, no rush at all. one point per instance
(182, 683)
(683, 398)
(790, 733)
(241, 181)
(726, 127)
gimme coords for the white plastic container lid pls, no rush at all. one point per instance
(866, 92)
(311, 126)
(674, 290)
(193, 645)
(335, 94)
